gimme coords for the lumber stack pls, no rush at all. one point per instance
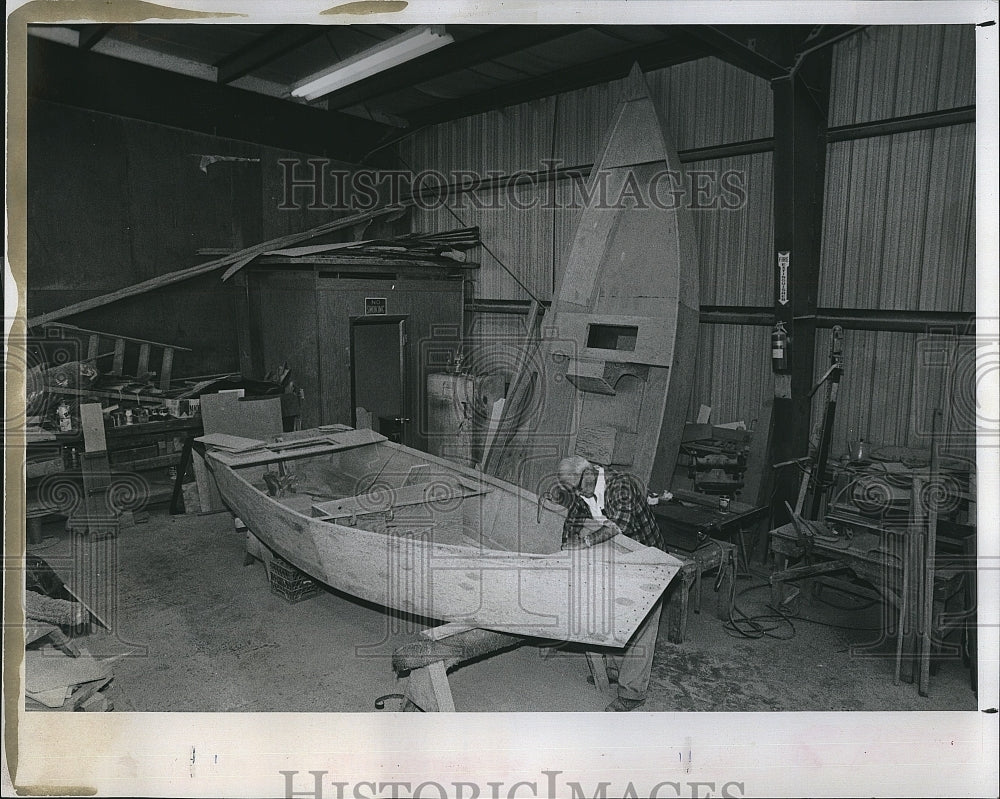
(449, 244)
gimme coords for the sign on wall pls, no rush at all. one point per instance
(784, 260)
(375, 306)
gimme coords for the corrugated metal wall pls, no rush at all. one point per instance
(899, 228)
(892, 71)
(703, 103)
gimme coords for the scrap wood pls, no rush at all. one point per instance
(316, 249)
(53, 610)
(85, 697)
(46, 670)
(444, 244)
(236, 260)
(231, 443)
(55, 697)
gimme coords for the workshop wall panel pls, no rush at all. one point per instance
(134, 203)
(899, 227)
(891, 384)
(514, 227)
(889, 71)
(300, 191)
(735, 234)
(703, 103)
(709, 102)
(731, 362)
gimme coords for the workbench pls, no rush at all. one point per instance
(130, 449)
(892, 563)
(691, 519)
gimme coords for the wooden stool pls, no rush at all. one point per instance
(719, 555)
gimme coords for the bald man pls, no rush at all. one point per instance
(603, 504)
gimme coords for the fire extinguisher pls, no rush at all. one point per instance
(779, 348)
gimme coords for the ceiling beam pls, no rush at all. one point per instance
(649, 56)
(91, 35)
(61, 74)
(264, 50)
(499, 41)
(760, 51)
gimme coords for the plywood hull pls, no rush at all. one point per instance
(612, 374)
(595, 596)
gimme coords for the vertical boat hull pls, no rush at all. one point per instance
(612, 375)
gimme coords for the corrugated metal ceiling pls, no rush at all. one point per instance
(498, 64)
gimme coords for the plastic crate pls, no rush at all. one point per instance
(290, 583)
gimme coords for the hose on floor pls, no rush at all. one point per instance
(765, 625)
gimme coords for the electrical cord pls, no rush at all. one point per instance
(764, 625)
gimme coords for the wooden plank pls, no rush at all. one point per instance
(209, 499)
(244, 326)
(913, 567)
(166, 368)
(115, 395)
(599, 671)
(315, 249)
(93, 344)
(427, 688)
(239, 258)
(92, 422)
(260, 457)
(143, 365)
(230, 442)
(446, 630)
(439, 684)
(420, 494)
(518, 394)
(103, 334)
(118, 365)
(930, 552)
(228, 413)
(755, 482)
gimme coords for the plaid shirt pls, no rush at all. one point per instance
(624, 504)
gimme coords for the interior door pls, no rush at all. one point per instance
(378, 376)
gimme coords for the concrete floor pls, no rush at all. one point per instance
(207, 634)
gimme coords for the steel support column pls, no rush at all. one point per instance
(800, 105)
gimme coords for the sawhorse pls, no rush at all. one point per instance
(427, 662)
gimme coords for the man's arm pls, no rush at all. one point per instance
(619, 501)
(581, 530)
(591, 533)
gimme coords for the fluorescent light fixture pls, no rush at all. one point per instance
(388, 54)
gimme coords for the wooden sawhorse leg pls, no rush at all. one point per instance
(427, 662)
(427, 689)
(599, 670)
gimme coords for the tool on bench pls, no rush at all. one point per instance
(808, 533)
(832, 380)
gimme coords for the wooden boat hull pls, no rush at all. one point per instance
(612, 375)
(403, 561)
